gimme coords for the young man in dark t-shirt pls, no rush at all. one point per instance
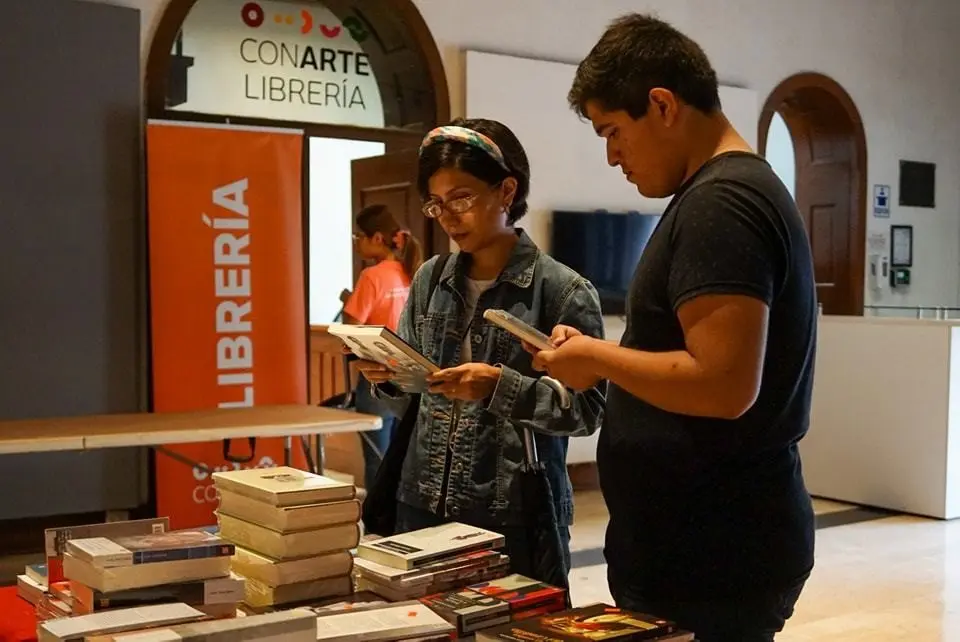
(710, 387)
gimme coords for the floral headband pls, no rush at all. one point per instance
(467, 136)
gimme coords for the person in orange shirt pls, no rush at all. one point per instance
(378, 299)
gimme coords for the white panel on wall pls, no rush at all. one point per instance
(568, 162)
(331, 221)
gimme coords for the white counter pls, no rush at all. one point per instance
(885, 423)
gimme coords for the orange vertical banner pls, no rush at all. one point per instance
(227, 298)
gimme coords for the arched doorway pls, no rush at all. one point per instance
(289, 58)
(405, 86)
(830, 155)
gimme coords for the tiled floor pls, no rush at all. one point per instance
(878, 577)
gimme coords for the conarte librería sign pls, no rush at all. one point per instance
(290, 61)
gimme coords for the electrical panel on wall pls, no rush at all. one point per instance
(918, 184)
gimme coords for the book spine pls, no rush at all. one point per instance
(182, 554)
(190, 594)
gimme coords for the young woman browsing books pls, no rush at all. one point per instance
(465, 456)
(378, 299)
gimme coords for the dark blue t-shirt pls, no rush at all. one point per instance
(699, 507)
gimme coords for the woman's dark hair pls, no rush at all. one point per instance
(404, 245)
(478, 163)
(637, 53)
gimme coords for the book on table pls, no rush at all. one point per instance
(124, 578)
(103, 552)
(213, 596)
(293, 530)
(55, 539)
(284, 519)
(594, 623)
(77, 628)
(401, 621)
(419, 548)
(274, 572)
(468, 610)
(284, 486)
(294, 625)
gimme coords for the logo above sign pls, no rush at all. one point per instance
(254, 16)
(275, 60)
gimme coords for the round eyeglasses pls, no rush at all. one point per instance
(459, 205)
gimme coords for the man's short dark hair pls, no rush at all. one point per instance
(637, 53)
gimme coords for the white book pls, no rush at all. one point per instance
(101, 552)
(116, 621)
(418, 548)
(295, 625)
(284, 486)
(394, 622)
(378, 343)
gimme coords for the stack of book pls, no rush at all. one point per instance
(32, 584)
(488, 604)
(188, 566)
(294, 532)
(432, 560)
(44, 584)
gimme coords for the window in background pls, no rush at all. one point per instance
(780, 152)
(331, 221)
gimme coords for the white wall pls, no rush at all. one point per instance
(331, 221)
(896, 59)
(568, 163)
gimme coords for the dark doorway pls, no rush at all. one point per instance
(831, 158)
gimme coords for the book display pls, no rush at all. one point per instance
(295, 530)
(287, 563)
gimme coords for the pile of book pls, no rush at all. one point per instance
(293, 531)
(32, 584)
(104, 567)
(431, 560)
(488, 604)
(191, 567)
(44, 585)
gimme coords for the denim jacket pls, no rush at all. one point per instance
(464, 458)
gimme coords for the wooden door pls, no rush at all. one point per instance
(391, 180)
(824, 203)
(830, 154)
(824, 153)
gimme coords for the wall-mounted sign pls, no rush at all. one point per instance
(881, 201)
(292, 61)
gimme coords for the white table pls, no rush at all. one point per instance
(159, 429)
